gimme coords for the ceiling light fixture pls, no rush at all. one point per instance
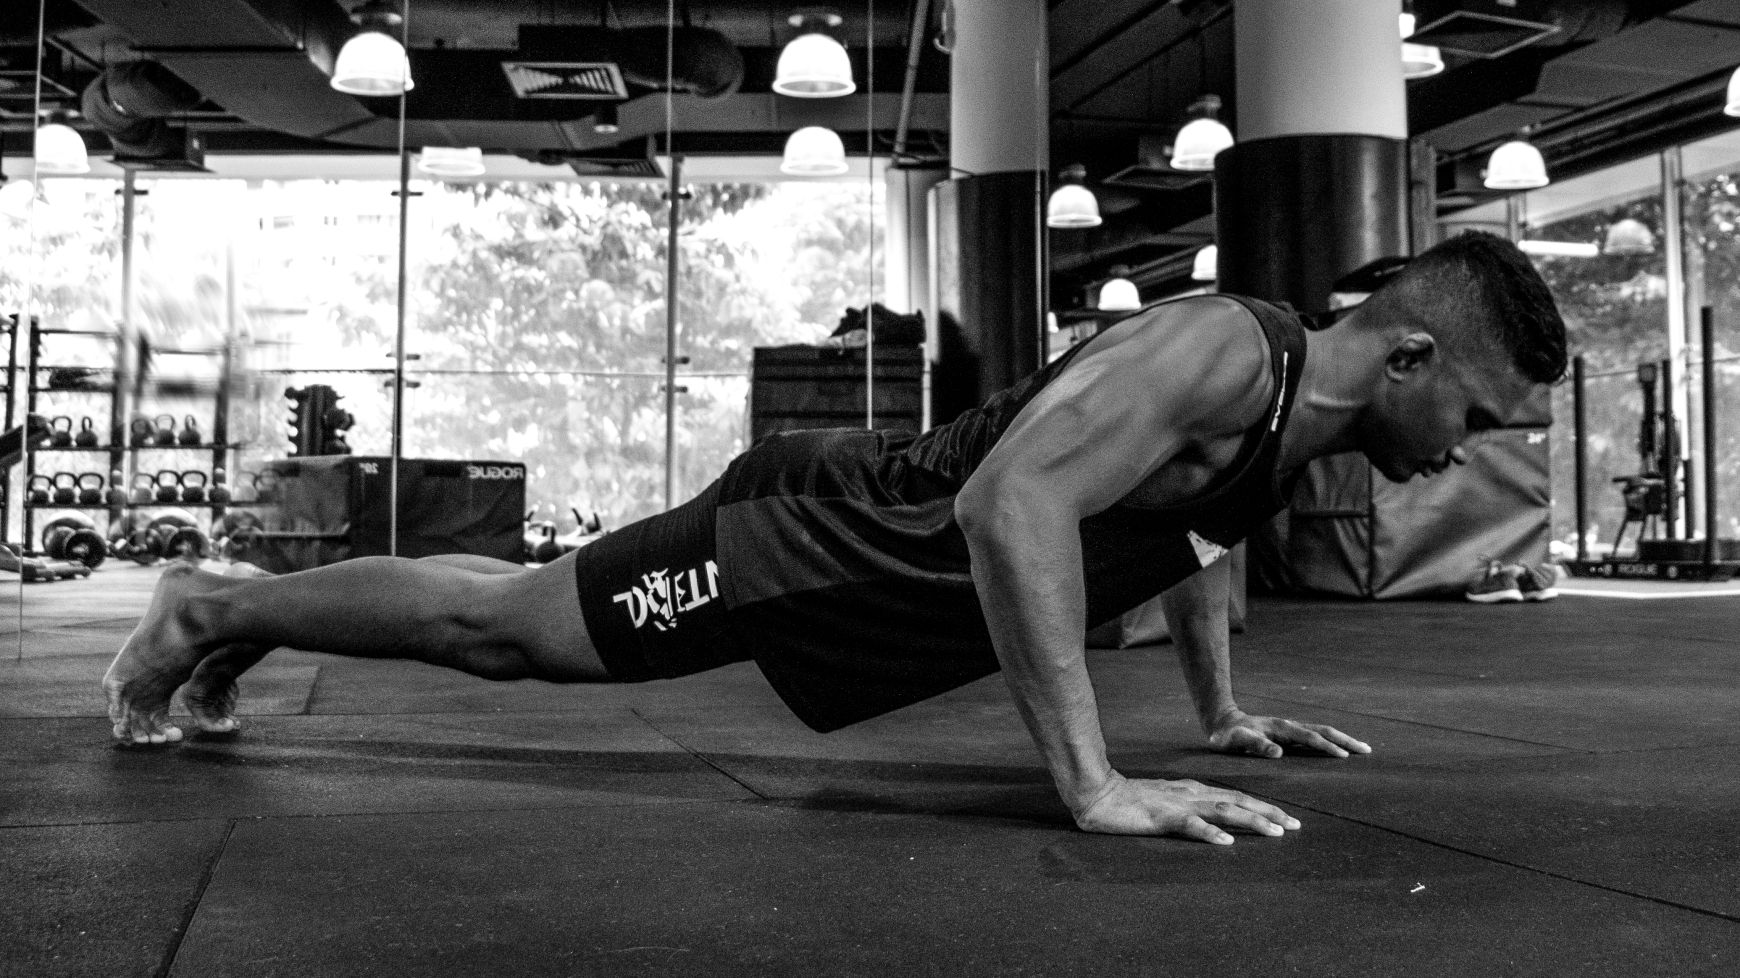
(451, 161)
(604, 120)
(1733, 106)
(60, 150)
(1628, 236)
(814, 151)
(1202, 137)
(1517, 165)
(1119, 295)
(1206, 268)
(814, 65)
(1418, 60)
(373, 63)
(1072, 205)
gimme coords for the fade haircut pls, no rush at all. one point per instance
(1483, 279)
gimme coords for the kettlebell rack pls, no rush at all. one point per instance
(107, 471)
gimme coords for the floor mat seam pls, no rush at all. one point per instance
(697, 755)
(1421, 723)
(173, 951)
(1499, 860)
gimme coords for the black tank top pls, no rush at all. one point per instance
(849, 579)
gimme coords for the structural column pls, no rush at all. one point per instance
(1317, 183)
(1315, 186)
(988, 263)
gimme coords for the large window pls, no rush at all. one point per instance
(1631, 291)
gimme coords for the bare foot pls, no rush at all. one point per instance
(156, 659)
(211, 692)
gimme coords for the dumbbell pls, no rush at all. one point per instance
(91, 488)
(165, 429)
(74, 537)
(236, 532)
(60, 432)
(175, 536)
(193, 491)
(167, 485)
(190, 432)
(66, 489)
(87, 436)
(127, 539)
(39, 490)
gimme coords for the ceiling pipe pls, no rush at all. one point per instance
(914, 50)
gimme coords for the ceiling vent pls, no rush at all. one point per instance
(595, 80)
(1481, 35)
(617, 161)
(1152, 172)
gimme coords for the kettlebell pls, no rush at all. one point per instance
(142, 486)
(168, 482)
(74, 537)
(190, 432)
(117, 494)
(142, 432)
(87, 436)
(220, 493)
(192, 491)
(266, 486)
(91, 488)
(66, 491)
(39, 489)
(165, 434)
(60, 435)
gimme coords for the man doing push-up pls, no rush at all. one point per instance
(867, 570)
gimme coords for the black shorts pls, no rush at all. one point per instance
(649, 594)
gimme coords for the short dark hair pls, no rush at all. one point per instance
(1485, 278)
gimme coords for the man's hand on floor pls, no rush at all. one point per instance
(1240, 733)
(1134, 806)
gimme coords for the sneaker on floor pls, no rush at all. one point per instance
(1536, 582)
(1497, 583)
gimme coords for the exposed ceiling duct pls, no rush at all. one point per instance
(130, 103)
(269, 62)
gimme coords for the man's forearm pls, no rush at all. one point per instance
(1196, 616)
(1034, 602)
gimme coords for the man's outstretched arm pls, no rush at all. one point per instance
(1196, 617)
(1141, 396)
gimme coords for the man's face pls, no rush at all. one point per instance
(1427, 412)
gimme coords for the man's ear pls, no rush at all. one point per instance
(1410, 353)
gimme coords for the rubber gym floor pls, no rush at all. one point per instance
(1552, 792)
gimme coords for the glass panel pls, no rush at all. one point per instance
(1615, 309)
(1710, 201)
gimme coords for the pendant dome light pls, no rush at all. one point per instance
(373, 63)
(451, 161)
(1516, 165)
(1418, 60)
(814, 151)
(604, 120)
(1206, 268)
(814, 65)
(1119, 295)
(1733, 106)
(1202, 137)
(16, 198)
(1628, 236)
(60, 150)
(1072, 205)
